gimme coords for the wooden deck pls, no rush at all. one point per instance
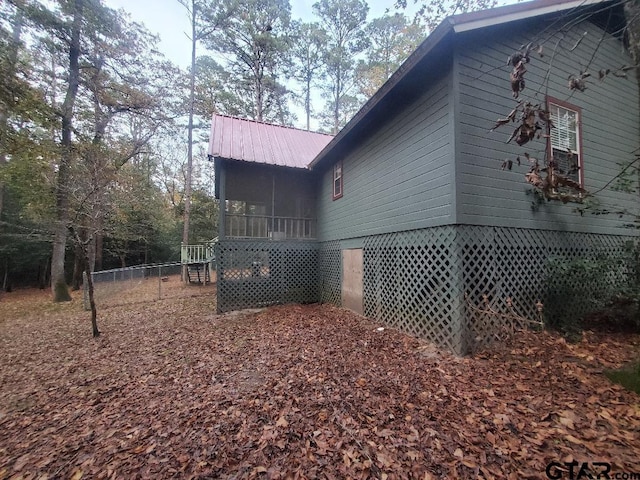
(198, 262)
(200, 253)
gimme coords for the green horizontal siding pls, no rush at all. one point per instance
(486, 195)
(400, 177)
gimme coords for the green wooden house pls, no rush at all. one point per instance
(406, 215)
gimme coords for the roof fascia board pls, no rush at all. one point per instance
(524, 14)
(237, 162)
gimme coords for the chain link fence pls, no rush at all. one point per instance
(142, 283)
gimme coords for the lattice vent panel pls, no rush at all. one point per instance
(509, 263)
(416, 281)
(254, 274)
(330, 275)
(412, 282)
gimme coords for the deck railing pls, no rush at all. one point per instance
(267, 226)
(201, 253)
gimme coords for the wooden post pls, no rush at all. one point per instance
(184, 259)
(85, 292)
(273, 203)
(223, 202)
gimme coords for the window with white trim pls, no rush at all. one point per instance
(565, 140)
(337, 180)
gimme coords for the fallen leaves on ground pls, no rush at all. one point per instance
(171, 390)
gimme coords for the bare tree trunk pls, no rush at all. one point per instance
(91, 254)
(336, 107)
(58, 282)
(4, 116)
(307, 103)
(44, 274)
(78, 268)
(97, 220)
(92, 302)
(82, 245)
(99, 248)
(192, 83)
(259, 112)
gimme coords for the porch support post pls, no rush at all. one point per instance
(223, 203)
(273, 202)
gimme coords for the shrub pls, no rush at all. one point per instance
(574, 287)
(628, 377)
(606, 283)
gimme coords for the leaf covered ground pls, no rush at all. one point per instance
(172, 390)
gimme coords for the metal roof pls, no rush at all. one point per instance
(251, 141)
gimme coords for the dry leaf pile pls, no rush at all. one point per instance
(171, 390)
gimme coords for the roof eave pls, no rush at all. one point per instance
(422, 51)
(454, 24)
(511, 13)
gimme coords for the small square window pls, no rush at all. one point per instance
(337, 180)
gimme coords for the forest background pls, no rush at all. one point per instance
(103, 138)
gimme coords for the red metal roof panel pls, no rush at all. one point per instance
(252, 141)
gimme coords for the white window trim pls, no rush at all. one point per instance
(551, 103)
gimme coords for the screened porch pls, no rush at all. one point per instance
(267, 202)
(241, 225)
